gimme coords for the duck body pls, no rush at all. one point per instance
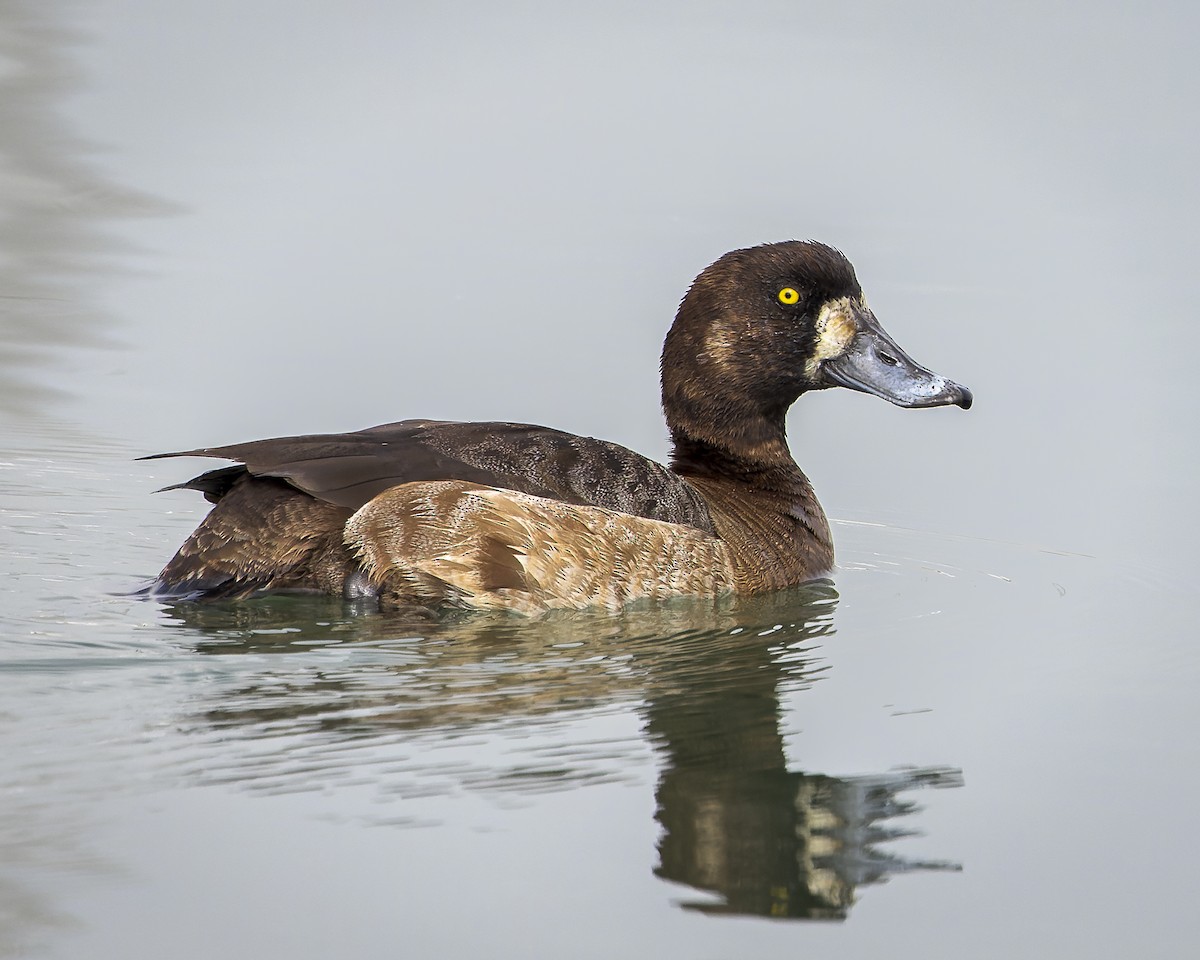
(425, 513)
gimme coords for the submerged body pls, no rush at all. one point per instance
(500, 515)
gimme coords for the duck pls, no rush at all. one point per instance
(434, 515)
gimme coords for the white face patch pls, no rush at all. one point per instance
(836, 326)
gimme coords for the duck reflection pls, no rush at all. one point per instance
(706, 676)
(773, 842)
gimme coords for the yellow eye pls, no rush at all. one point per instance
(789, 295)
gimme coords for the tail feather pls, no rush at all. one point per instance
(262, 534)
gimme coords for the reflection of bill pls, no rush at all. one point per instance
(786, 844)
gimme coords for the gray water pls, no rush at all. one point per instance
(223, 221)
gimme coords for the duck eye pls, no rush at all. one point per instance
(789, 295)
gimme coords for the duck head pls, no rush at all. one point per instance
(761, 326)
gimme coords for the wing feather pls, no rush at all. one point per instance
(350, 469)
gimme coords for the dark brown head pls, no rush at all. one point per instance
(763, 325)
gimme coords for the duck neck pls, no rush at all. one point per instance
(761, 503)
(750, 449)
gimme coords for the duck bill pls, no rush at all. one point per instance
(874, 363)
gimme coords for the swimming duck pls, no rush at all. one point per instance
(428, 513)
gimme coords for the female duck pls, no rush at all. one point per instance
(504, 515)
